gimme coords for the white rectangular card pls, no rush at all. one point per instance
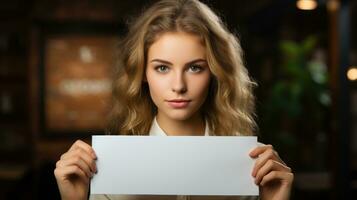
(174, 165)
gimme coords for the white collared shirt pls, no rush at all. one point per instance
(156, 130)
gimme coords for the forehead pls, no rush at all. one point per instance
(177, 46)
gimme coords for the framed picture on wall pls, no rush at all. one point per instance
(75, 77)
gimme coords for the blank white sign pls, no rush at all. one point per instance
(174, 165)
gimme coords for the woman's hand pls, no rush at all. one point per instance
(74, 170)
(271, 174)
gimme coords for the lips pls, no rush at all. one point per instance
(178, 103)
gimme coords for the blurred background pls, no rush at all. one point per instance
(56, 59)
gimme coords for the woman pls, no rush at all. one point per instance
(179, 72)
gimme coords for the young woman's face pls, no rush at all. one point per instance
(178, 75)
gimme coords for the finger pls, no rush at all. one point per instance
(67, 171)
(90, 162)
(269, 153)
(86, 157)
(259, 150)
(85, 146)
(78, 161)
(270, 165)
(286, 177)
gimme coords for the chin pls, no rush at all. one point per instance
(180, 116)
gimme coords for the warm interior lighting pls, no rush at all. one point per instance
(333, 5)
(352, 74)
(306, 4)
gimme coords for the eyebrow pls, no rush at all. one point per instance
(169, 63)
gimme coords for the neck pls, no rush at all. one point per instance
(194, 126)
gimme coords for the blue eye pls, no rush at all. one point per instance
(195, 68)
(162, 68)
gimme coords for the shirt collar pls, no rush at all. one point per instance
(156, 130)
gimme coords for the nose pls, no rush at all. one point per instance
(179, 83)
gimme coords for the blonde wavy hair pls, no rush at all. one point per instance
(229, 107)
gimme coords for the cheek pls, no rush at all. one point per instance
(200, 85)
(156, 86)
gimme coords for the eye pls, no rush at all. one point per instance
(195, 68)
(162, 68)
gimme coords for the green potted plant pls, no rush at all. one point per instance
(294, 111)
